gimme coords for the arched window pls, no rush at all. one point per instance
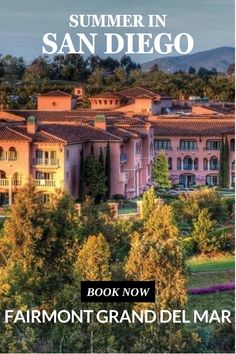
(214, 163)
(170, 163)
(2, 174)
(1, 154)
(178, 163)
(232, 145)
(205, 164)
(196, 164)
(188, 163)
(12, 154)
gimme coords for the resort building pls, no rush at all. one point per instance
(192, 146)
(45, 144)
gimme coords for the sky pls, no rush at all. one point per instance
(24, 22)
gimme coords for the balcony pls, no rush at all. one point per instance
(214, 167)
(187, 167)
(123, 157)
(4, 182)
(45, 183)
(45, 162)
(123, 177)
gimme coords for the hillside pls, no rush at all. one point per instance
(219, 58)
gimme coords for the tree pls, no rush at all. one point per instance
(93, 259)
(108, 170)
(203, 228)
(81, 175)
(160, 171)
(95, 179)
(39, 245)
(149, 202)
(38, 250)
(224, 164)
(156, 255)
(92, 149)
(204, 198)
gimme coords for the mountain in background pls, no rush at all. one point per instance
(218, 58)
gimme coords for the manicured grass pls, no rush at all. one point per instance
(197, 280)
(210, 302)
(129, 207)
(204, 264)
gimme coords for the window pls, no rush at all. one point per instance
(232, 145)
(188, 163)
(213, 144)
(178, 163)
(162, 145)
(12, 154)
(138, 148)
(196, 164)
(188, 145)
(170, 163)
(44, 175)
(214, 163)
(67, 154)
(212, 180)
(45, 198)
(205, 164)
(1, 154)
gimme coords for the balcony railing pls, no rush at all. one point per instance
(45, 183)
(187, 167)
(4, 182)
(123, 157)
(45, 162)
(124, 177)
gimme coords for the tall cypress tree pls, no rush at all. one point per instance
(81, 176)
(108, 170)
(221, 170)
(101, 159)
(92, 149)
(226, 162)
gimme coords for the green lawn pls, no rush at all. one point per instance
(210, 302)
(197, 280)
(204, 264)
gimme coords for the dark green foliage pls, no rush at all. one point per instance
(92, 149)
(95, 179)
(108, 170)
(160, 171)
(224, 164)
(81, 176)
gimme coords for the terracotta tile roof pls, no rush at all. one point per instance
(11, 134)
(192, 127)
(78, 133)
(56, 93)
(136, 92)
(124, 133)
(40, 136)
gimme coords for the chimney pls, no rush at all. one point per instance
(100, 122)
(31, 125)
(79, 91)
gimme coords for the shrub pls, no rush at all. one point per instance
(189, 246)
